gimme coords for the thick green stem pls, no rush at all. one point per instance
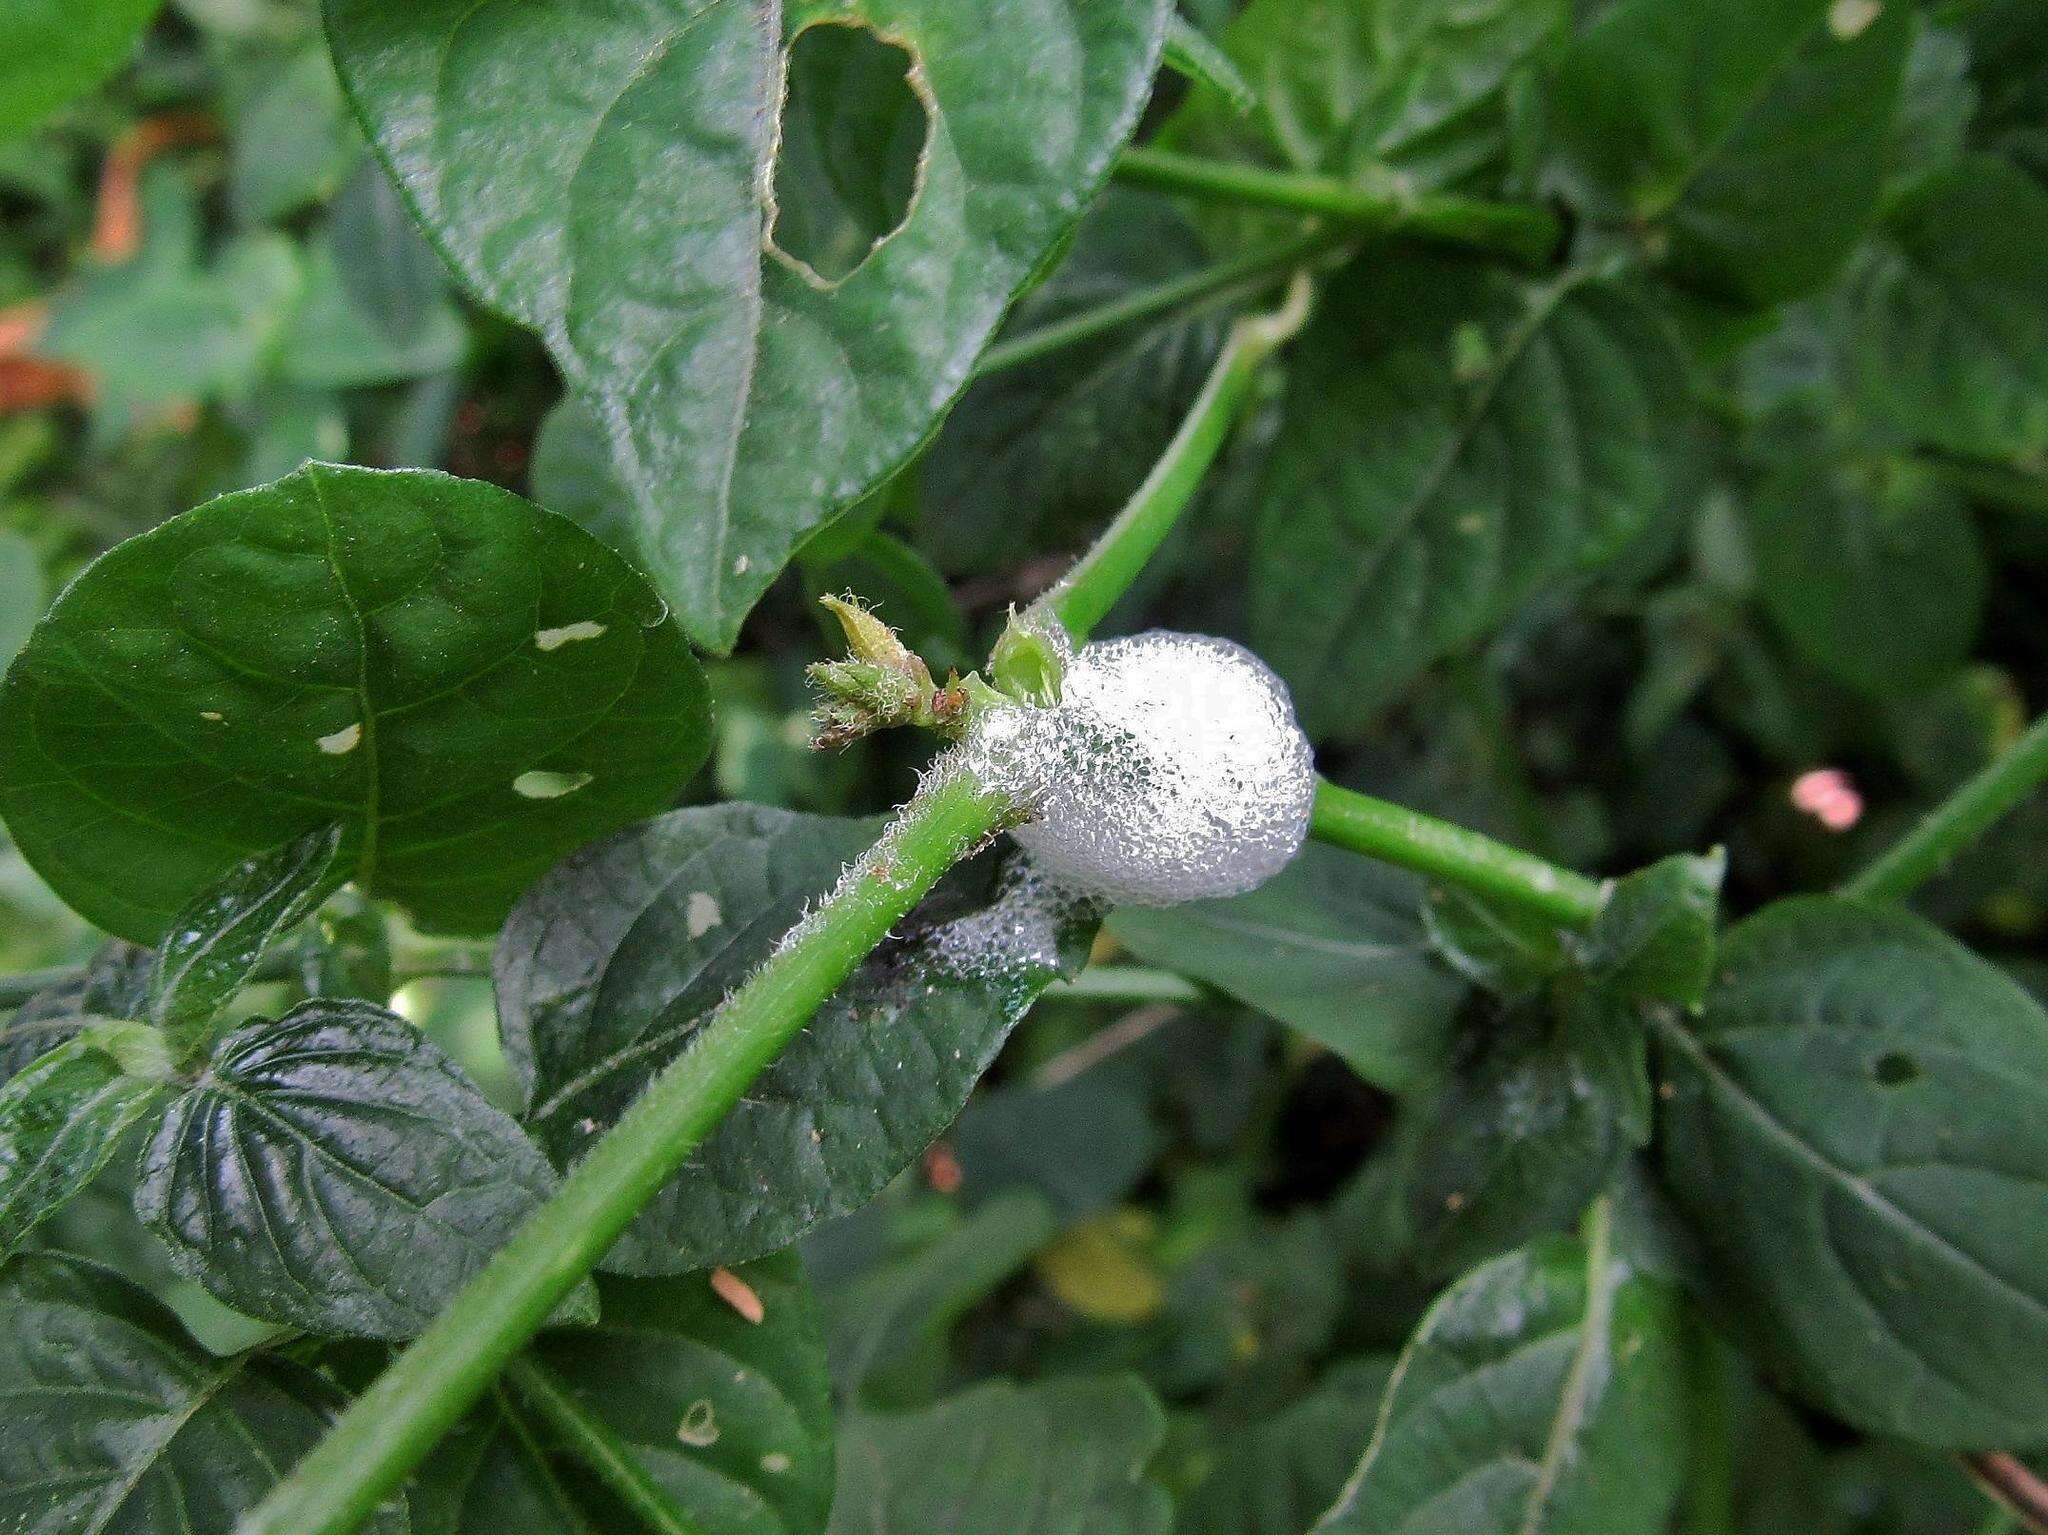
(1346, 819)
(392, 1426)
(1957, 821)
(1084, 596)
(591, 1440)
(1521, 230)
(1246, 274)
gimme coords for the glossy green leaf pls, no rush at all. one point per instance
(1856, 1127)
(1060, 1456)
(1756, 132)
(727, 1417)
(214, 943)
(53, 51)
(1455, 439)
(1876, 576)
(1037, 457)
(1411, 87)
(610, 965)
(1655, 936)
(1542, 1395)
(335, 1171)
(61, 1119)
(1950, 314)
(604, 176)
(1332, 946)
(119, 1424)
(400, 652)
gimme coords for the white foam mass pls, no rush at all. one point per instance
(1171, 770)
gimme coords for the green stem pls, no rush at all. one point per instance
(1957, 821)
(1346, 819)
(591, 1440)
(391, 1427)
(1084, 596)
(1126, 983)
(1521, 230)
(1249, 272)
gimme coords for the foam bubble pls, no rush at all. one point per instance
(1171, 770)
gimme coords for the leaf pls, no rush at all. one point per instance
(1455, 438)
(392, 650)
(334, 342)
(1542, 1393)
(602, 176)
(1876, 576)
(1036, 457)
(121, 1425)
(214, 943)
(1332, 946)
(1504, 949)
(729, 1418)
(1190, 54)
(335, 1171)
(293, 142)
(52, 52)
(1949, 316)
(1654, 937)
(1404, 86)
(1081, 1143)
(1059, 1456)
(1756, 131)
(1856, 1128)
(61, 1119)
(114, 984)
(608, 968)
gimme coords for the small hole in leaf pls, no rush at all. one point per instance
(542, 784)
(853, 133)
(1895, 1069)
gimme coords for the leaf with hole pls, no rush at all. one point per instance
(1455, 439)
(335, 1171)
(1544, 1392)
(122, 1425)
(1000, 1459)
(1332, 946)
(388, 650)
(726, 1417)
(64, 1117)
(612, 178)
(609, 967)
(1856, 1128)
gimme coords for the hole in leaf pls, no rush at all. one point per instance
(542, 784)
(855, 120)
(1896, 1069)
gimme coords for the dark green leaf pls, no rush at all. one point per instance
(62, 1118)
(1876, 575)
(610, 965)
(1505, 949)
(53, 51)
(603, 176)
(347, 951)
(1061, 1456)
(214, 943)
(114, 984)
(727, 1417)
(1856, 1127)
(1756, 131)
(1038, 456)
(1455, 438)
(1082, 1143)
(1655, 936)
(1950, 314)
(1543, 1392)
(471, 685)
(119, 1424)
(335, 1171)
(1332, 946)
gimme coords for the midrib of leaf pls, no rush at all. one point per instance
(537, 1461)
(1341, 948)
(1518, 341)
(1589, 1360)
(120, 1492)
(366, 714)
(1860, 1188)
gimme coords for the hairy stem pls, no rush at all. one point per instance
(392, 1426)
(1083, 597)
(1344, 818)
(1244, 274)
(1957, 821)
(593, 1443)
(1521, 230)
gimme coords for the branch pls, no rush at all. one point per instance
(2009, 1484)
